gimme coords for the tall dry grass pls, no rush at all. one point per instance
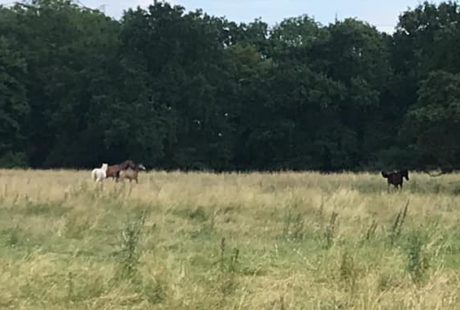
(228, 241)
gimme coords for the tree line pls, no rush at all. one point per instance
(185, 90)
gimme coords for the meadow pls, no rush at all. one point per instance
(228, 241)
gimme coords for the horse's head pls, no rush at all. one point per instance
(141, 167)
(385, 174)
(104, 166)
(405, 174)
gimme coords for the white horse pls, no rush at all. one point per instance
(99, 174)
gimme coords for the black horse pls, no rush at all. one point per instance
(396, 178)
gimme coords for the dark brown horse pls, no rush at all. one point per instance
(396, 178)
(114, 171)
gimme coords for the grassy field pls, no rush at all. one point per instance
(228, 241)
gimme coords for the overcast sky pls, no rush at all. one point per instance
(383, 14)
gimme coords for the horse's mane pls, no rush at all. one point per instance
(127, 164)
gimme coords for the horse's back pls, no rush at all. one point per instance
(112, 171)
(128, 174)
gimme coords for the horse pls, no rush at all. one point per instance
(131, 174)
(396, 178)
(99, 174)
(114, 170)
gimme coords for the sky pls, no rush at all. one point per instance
(382, 14)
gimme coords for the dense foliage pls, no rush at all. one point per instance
(187, 90)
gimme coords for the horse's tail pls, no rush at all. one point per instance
(93, 175)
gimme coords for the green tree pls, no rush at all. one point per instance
(183, 55)
(435, 120)
(13, 105)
